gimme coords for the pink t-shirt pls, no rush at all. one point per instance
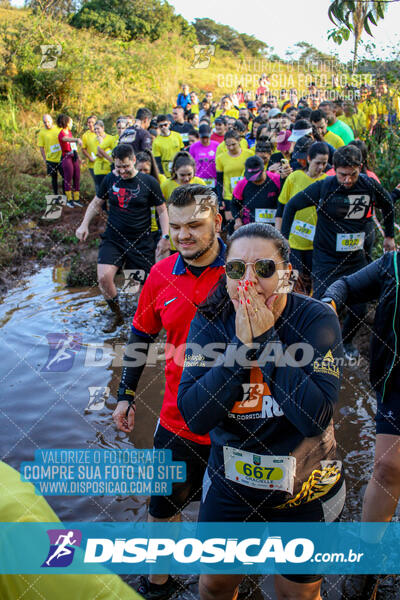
(204, 157)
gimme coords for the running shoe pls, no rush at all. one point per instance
(152, 591)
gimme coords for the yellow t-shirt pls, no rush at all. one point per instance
(368, 108)
(194, 109)
(232, 112)
(168, 186)
(48, 139)
(154, 226)
(166, 147)
(232, 168)
(297, 182)
(101, 165)
(334, 140)
(222, 146)
(20, 504)
(357, 122)
(90, 143)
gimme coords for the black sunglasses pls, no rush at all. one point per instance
(264, 268)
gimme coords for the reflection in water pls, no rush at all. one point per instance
(72, 407)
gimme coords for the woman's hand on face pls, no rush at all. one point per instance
(261, 315)
(243, 327)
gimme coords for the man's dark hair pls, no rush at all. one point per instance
(261, 120)
(362, 146)
(144, 113)
(222, 120)
(162, 118)
(188, 194)
(239, 126)
(326, 103)
(194, 132)
(317, 115)
(123, 151)
(264, 145)
(304, 113)
(244, 120)
(301, 124)
(347, 156)
(190, 116)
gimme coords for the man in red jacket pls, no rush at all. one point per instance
(169, 300)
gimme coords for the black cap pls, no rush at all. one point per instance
(253, 168)
(301, 147)
(204, 130)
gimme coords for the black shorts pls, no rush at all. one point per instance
(196, 458)
(221, 503)
(387, 417)
(135, 254)
(53, 167)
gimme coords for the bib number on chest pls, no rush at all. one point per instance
(349, 242)
(55, 148)
(234, 181)
(265, 215)
(210, 182)
(304, 230)
(73, 146)
(274, 473)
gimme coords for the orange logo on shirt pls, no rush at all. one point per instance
(253, 394)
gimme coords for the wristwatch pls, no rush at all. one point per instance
(165, 236)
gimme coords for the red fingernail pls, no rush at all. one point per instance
(248, 301)
(251, 283)
(246, 282)
(240, 283)
(245, 288)
(241, 302)
(237, 289)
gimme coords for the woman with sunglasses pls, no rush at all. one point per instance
(267, 399)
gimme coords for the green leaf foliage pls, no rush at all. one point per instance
(128, 20)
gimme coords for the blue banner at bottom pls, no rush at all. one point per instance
(192, 548)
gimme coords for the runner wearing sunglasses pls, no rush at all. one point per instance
(259, 406)
(166, 145)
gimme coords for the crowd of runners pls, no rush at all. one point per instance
(250, 223)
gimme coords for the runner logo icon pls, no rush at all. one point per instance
(202, 55)
(62, 547)
(62, 351)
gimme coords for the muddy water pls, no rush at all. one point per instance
(49, 409)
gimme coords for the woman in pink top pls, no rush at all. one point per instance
(70, 160)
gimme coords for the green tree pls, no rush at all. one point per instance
(56, 8)
(132, 20)
(227, 38)
(357, 16)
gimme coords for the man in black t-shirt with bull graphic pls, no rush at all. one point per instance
(126, 241)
